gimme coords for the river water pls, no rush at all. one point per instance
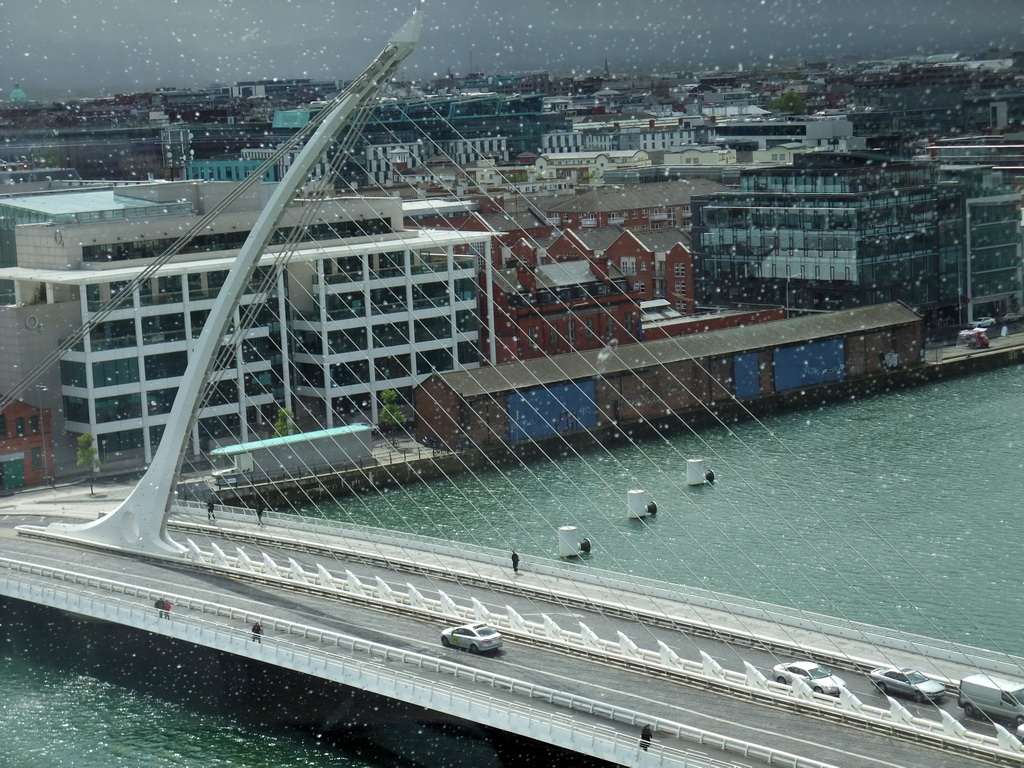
(901, 510)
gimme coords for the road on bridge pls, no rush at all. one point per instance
(820, 740)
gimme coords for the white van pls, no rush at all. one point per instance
(999, 699)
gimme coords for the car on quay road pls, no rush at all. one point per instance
(817, 678)
(1012, 317)
(907, 681)
(984, 322)
(475, 638)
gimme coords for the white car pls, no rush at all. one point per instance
(1012, 317)
(818, 679)
(475, 638)
(984, 322)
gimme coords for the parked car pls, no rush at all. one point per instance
(475, 638)
(907, 681)
(984, 322)
(1012, 317)
(819, 679)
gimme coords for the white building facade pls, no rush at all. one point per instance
(360, 306)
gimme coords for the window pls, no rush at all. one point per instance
(118, 408)
(33, 424)
(72, 373)
(3, 426)
(76, 409)
(114, 372)
(19, 427)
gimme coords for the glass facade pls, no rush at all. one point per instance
(837, 231)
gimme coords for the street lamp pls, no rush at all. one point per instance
(42, 430)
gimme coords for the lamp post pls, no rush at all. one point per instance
(42, 430)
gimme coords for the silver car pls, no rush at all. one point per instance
(475, 638)
(907, 681)
(818, 679)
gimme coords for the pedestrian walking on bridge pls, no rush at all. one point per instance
(257, 633)
(515, 562)
(645, 736)
(209, 510)
(259, 513)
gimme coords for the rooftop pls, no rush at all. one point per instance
(636, 357)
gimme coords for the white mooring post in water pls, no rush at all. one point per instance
(567, 544)
(639, 506)
(695, 472)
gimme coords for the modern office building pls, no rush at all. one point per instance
(838, 230)
(359, 305)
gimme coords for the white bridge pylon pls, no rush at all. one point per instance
(139, 524)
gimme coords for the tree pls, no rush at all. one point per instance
(285, 424)
(87, 457)
(789, 103)
(391, 411)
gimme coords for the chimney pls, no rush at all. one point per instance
(527, 278)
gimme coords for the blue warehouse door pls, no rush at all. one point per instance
(809, 364)
(747, 375)
(543, 412)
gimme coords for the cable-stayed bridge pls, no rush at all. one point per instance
(362, 608)
(591, 657)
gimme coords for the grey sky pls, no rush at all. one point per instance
(55, 47)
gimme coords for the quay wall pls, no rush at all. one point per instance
(641, 402)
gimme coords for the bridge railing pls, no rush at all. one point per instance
(947, 734)
(792, 618)
(35, 583)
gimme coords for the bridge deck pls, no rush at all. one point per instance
(568, 600)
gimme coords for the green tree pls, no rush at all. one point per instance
(789, 103)
(391, 410)
(285, 424)
(87, 457)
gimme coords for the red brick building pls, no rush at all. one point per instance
(24, 459)
(557, 308)
(657, 262)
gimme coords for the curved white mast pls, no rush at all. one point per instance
(139, 524)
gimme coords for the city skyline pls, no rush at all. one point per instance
(55, 50)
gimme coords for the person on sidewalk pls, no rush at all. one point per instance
(161, 611)
(515, 562)
(209, 510)
(259, 513)
(645, 737)
(257, 633)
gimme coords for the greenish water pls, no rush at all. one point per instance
(902, 510)
(51, 717)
